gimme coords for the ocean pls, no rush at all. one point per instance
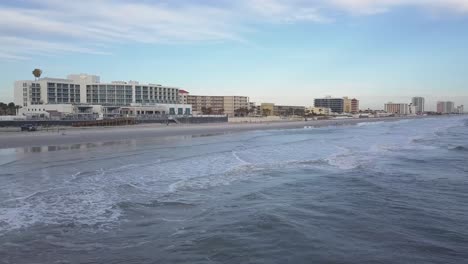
(389, 192)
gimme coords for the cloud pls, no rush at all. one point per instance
(372, 7)
(72, 26)
(95, 26)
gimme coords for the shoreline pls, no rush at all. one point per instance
(107, 134)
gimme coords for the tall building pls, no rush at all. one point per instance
(335, 104)
(398, 109)
(87, 89)
(229, 105)
(460, 109)
(347, 104)
(418, 102)
(183, 97)
(445, 107)
(354, 106)
(85, 93)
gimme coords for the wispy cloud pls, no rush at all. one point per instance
(372, 7)
(282, 11)
(87, 26)
(72, 26)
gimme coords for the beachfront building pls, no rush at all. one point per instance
(135, 110)
(354, 106)
(445, 107)
(183, 97)
(289, 110)
(418, 102)
(335, 104)
(397, 109)
(267, 109)
(253, 109)
(270, 109)
(460, 109)
(85, 93)
(228, 105)
(318, 111)
(346, 105)
(412, 109)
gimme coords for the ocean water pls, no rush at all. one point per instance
(393, 192)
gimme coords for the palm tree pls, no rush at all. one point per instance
(17, 109)
(37, 73)
(3, 108)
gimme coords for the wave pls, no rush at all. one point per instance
(369, 123)
(459, 148)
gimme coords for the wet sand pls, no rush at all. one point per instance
(106, 134)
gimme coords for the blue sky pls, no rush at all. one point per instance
(283, 51)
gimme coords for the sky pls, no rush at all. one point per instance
(281, 51)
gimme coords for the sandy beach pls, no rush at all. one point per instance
(106, 134)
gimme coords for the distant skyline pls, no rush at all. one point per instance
(282, 51)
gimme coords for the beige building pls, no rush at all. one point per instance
(229, 105)
(236, 105)
(270, 109)
(267, 109)
(350, 105)
(347, 105)
(318, 111)
(398, 109)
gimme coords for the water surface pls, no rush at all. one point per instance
(393, 192)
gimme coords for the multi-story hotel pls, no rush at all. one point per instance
(398, 109)
(335, 104)
(346, 105)
(418, 102)
(228, 105)
(354, 106)
(85, 90)
(183, 97)
(445, 107)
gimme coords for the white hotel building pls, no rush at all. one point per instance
(84, 94)
(398, 109)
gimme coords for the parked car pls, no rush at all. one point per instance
(28, 127)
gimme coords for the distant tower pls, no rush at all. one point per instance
(418, 102)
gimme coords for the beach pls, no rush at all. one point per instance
(70, 135)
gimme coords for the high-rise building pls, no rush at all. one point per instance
(335, 104)
(398, 109)
(346, 105)
(183, 97)
(354, 106)
(460, 109)
(418, 102)
(445, 107)
(86, 94)
(87, 89)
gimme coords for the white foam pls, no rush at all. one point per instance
(369, 123)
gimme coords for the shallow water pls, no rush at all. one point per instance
(391, 192)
